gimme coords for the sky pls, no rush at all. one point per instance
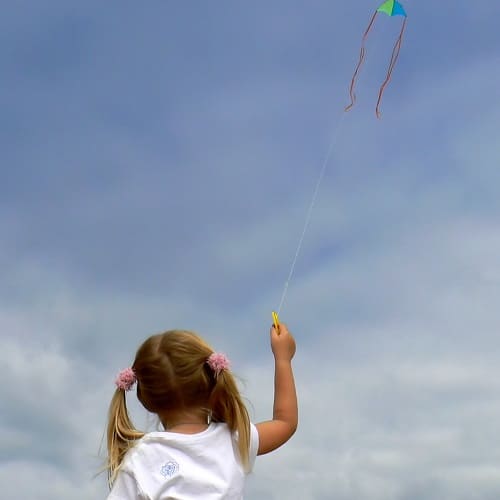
(157, 163)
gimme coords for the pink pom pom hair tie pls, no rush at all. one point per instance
(126, 379)
(218, 362)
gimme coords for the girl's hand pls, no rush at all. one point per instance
(282, 343)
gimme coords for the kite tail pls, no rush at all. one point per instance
(392, 63)
(362, 52)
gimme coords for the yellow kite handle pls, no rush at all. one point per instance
(276, 321)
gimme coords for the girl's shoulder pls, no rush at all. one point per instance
(161, 443)
(160, 440)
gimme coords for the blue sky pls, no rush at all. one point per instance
(157, 164)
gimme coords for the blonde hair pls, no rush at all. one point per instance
(172, 375)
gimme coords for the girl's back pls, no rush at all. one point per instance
(167, 465)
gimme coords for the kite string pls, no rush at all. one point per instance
(333, 143)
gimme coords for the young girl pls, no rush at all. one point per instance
(208, 445)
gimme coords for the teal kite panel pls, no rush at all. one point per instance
(398, 10)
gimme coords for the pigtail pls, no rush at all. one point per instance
(227, 406)
(121, 434)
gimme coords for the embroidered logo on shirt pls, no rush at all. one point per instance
(169, 469)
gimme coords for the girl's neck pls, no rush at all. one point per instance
(186, 422)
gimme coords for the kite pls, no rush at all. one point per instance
(391, 8)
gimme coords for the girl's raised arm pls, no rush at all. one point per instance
(275, 432)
